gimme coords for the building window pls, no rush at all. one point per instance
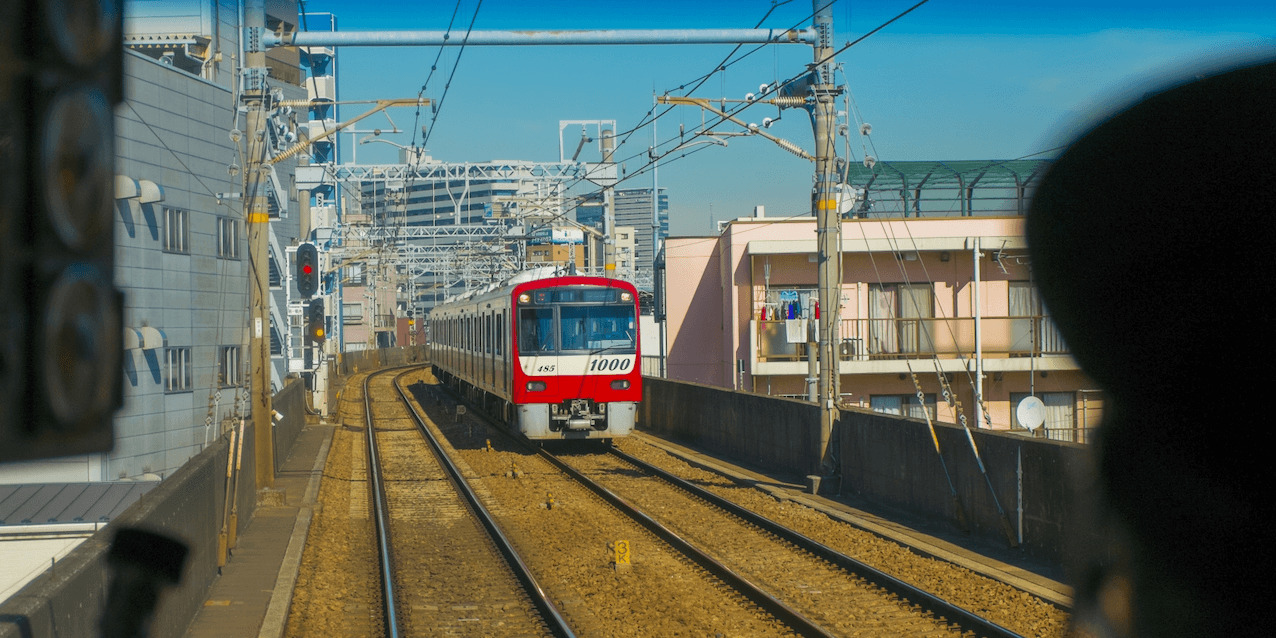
(176, 230)
(177, 369)
(901, 318)
(1032, 331)
(903, 405)
(229, 368)
(227, 238)
(355, 275)
(351, 313)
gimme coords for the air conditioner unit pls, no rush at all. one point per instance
(852, 349)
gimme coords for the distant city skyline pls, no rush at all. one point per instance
(972, 80)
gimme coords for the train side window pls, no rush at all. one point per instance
(500, 333)
(536, 330)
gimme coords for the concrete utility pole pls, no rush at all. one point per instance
(824, 206)
(609, 206)
(257, 218)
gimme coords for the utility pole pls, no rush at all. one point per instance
(257, 218)
(609, 205)
(824, 206)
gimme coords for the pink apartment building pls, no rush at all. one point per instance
(925, 302)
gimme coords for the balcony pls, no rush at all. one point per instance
(891, 345)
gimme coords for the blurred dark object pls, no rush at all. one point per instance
(60, 313)
(142, 563)
(1151, 241)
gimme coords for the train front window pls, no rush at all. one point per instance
(535, 330)
(610, 328)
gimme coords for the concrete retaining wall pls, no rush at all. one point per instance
(769, 432)
(886, 460)
(351, 362)
(892, 461)
(291, 403)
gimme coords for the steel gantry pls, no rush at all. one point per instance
(818, 97)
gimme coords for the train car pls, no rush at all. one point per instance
(556, 357)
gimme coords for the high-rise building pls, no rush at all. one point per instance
(632, 208)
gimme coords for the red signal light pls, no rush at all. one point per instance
(307, 269)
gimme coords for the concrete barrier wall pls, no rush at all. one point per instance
(342, 366)
(291, 403)
(69, 599)
(769, 432)
(887, 460)
(353, 362)
(892, 460)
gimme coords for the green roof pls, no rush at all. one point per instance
(954, 173)
(946, 188)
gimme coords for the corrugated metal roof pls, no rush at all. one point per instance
(47, 503)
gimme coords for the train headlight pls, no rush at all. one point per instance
(624, 296)
(524, 298)
(535, 386)
(620, 384)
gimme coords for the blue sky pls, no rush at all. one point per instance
(985, 79)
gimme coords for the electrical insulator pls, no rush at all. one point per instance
(61, 366)
(792, 148)
(788, 101)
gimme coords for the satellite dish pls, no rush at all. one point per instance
(1031, 413)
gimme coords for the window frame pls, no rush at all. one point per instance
(177, 370)
(227, 238)
(229, 366)
(176, 240)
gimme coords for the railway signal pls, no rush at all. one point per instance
(315, 317)
(307, 260)
(60, 312)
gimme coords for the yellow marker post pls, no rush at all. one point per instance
(620, 555)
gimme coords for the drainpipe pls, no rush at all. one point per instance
(979, 345)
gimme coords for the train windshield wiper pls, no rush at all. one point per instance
(624, 346)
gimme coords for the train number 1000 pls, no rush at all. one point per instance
(607, 365)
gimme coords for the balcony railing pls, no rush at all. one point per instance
(872, 339)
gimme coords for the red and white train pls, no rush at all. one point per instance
(556, 357)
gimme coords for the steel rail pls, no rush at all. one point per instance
(963, 618)
(379, 513)
(547, 37)
(768, 603)
(549, 612)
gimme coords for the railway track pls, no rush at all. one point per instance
(445, 567)
(812, 589)
(566, 534)
(839, 592)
